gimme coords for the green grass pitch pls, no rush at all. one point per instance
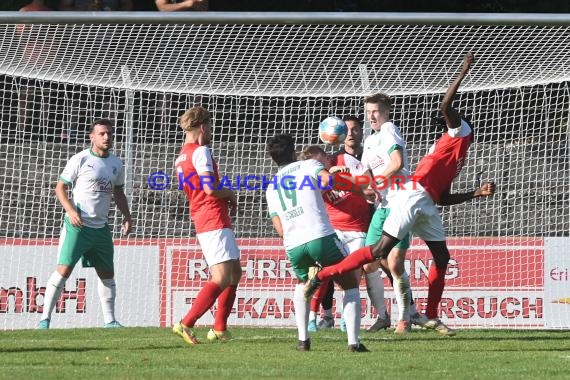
(155, 353)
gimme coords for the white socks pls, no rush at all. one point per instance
(54, 287)
(375, 288)
(403, 296)
(312, 315)
(107, 291)
(301, 311)
(351, 314)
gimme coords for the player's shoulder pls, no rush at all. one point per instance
(199, 154)
(311, 164)
(84, 153)
(200, 150)
(81, 157)
(290, 168)
(465, 129)
(192, 147)
(390, 128)
(337, 157)
(115, 160)
(371, 140)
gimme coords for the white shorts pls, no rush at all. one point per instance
(414, 211)
(351, 240)
(218, 246)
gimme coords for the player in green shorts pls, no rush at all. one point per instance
(386, 157)
(96, 176)
(298, 214)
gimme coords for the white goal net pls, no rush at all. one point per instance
(510, 253)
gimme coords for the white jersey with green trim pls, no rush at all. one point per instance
(93, 179)
(295, 196)
(376, 157)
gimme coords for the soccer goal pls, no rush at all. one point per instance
(261, 75)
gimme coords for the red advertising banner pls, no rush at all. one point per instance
(490, 282)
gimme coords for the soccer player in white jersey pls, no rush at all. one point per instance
(299, 216)
(415, 208)
(350, 217)
(386, 157)
(96, 175)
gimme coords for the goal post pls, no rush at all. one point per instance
(263, 74)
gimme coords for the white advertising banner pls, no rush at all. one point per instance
(23, 281)
(557, 282)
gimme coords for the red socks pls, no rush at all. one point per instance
(351, 262)
(436, 280)
(203, 302)
(319, 295)
(225, 305)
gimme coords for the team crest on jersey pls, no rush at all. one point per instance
(102, 185)
(376, 162)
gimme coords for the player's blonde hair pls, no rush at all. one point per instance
(194, 117)
(311, 152)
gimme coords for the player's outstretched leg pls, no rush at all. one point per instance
(351, 262)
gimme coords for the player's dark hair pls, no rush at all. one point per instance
(105, 122)
(281, 148)
(383, 100)
(352, 118)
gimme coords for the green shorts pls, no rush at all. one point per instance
(377, 224)
(324, 251)
(93, 245)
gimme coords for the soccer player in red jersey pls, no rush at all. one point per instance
(210, 208)
(415, 206)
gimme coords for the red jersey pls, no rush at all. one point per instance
(207, 212)
(347, 211)
(437, 169)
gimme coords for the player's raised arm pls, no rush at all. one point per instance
(450, 114)
(484, 190)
